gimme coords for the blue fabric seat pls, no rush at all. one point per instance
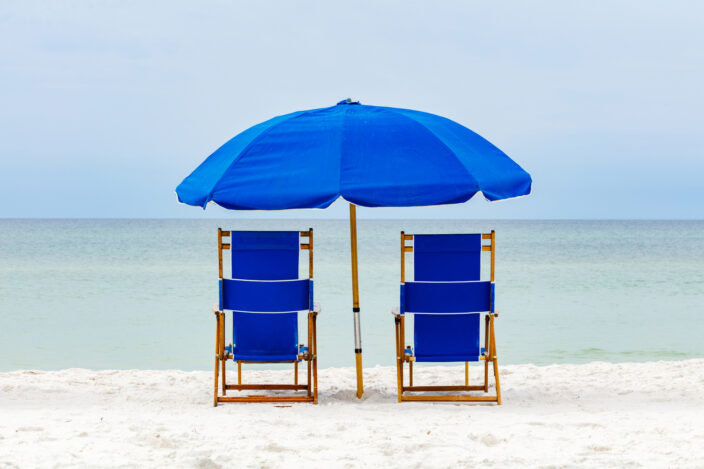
(447, 298)
(265, 295)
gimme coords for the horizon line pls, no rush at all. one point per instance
(341, 219)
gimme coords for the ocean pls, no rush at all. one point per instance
(124, 294)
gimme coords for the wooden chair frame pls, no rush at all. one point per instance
(309, 356)
(488, 356)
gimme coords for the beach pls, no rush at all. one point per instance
(589, 415)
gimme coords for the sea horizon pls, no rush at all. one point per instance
(273, 218)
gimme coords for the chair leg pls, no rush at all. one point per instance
(410, 373)
(399, 363)
(315, 361)
(402, 348)
(466, 373)
(215, 385)
(310, 355)
(496, 377)
(315, 381)
(222, 352)
(400, 378)
(295, 372)
(496, 364)
(217, 358)
(488, 353)
(239, 373)
(224, 383)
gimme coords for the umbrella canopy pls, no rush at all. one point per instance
(369, 155)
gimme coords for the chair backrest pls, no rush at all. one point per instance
(447, 296)
(264, 255)
(447, 257)
(265, 281)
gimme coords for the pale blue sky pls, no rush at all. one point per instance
(106, 106)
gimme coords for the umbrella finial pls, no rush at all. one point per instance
(348, 101)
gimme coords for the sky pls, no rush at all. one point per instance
(106, 106)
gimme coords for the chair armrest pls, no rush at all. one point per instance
(316, 308)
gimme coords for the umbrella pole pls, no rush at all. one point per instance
(355, 300)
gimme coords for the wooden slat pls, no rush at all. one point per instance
(305, 246)
(486, 248)
(486, 235)
(310, 255)
(219, 254)
(403, 258)
(305, 233)
(408, 237)
(450, 398)
(225, 246)
(242, 387)
(225, 233)
(408, 248)
(493, 253)
(266, 399)
(442, 388)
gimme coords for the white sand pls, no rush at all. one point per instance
(594, 415)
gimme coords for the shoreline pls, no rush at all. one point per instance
(588, 415)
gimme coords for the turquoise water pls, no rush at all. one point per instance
(138, 293)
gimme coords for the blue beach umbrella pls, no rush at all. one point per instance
(368, 155)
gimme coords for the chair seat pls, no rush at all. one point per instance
(445, 358)
(447, 337)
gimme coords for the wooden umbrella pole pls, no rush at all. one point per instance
(355, 301)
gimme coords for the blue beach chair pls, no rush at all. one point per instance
(264, 296)
(447, 299)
